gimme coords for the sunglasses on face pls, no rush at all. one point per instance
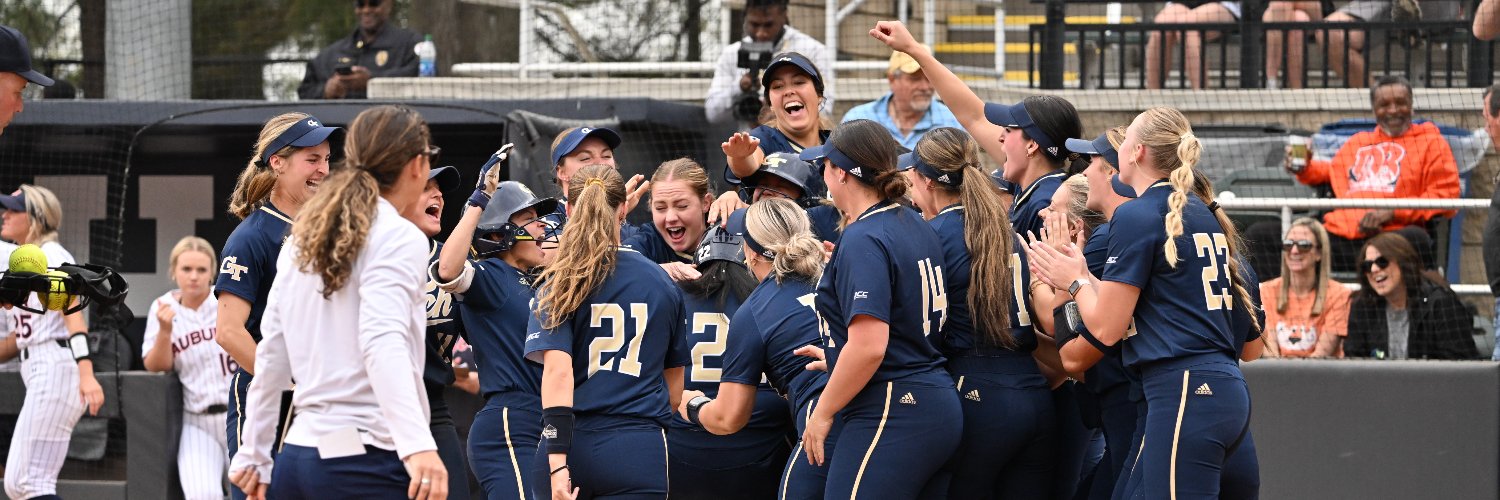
(1303, 245)
(1379, 263)
(366, 3)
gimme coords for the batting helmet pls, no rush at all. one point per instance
(786, 166)
(510, 197)
(720, 244)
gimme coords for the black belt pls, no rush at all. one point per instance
(212, 409)
(26, 353)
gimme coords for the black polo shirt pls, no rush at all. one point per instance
(393, 53)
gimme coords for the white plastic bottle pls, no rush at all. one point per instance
(427, 52)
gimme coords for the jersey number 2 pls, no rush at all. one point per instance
(627, 359)
(934, 297)
(1215, 246)
(701, 323)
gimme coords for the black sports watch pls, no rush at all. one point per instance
(1076, 285)
(694, 406)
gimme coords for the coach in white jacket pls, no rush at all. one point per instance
(345, 319)
(765, 21)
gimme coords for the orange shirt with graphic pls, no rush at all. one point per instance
(1296, 331)
(1416, 164)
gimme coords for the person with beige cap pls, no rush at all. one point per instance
(15, 71)
(908, 111)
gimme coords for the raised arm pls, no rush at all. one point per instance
(965, 104)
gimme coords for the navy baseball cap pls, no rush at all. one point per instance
(305, 133)
(794, 59)
(1015, 116)
(576, 136)
(447, 177)
(14, 202)
(1097, 147)
(15, 56)
(816, 154)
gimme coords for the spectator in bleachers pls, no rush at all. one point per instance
(1341, 46)
(1398, 159)
(376, 49)
(1307, 312)
(1401, 312)
(908, 111)
(1159, 44)
(1487, 20)
(15, 71)
(1491, 112)
(1296, 49)
(765, 22)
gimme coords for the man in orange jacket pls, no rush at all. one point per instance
(1398, 159)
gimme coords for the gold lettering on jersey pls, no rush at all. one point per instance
(232, 267)
(381, 57)
(439, 302)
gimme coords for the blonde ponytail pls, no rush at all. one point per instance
(587, 254)
(782, 228)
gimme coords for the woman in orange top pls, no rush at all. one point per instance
(1307, 313)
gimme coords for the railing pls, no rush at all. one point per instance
(1433, 53)
(696, 68)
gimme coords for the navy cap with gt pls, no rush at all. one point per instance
(576, 136)
(15, 57)
(304, 133)
(791, 59)
(1015, 116)
(736, 226)
(1097, 147)
(447, 178)
(495, 232)
(817, 154)
(788, 167)
(909, 161)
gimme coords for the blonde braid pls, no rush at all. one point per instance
(1182, 181)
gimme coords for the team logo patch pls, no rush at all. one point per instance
(549, 432)
(1110, 260)
(585, 130)
(944, 179)
(232, 267)
(1203, 390)
(533, 336)
(381, 58)
(1052, 150)
(861, 295)
(857, 172)
(908, 399)
(972, 395)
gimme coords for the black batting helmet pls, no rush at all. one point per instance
(788, 167)
(720, 244)
(510, 197)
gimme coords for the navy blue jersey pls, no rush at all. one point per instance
(444, 327)
(1110, 370)
(773, 141)
(825, 222)
(627, 331)
(249, 263)
(495, 309)
(888, 265)
(707, 335)
(1182, 311)
(1023, 211)
(1244, 330)
(645, 239)
(958, 332)
(775, 320)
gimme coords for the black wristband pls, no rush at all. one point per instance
(557, 428)
(1062, 332)
(695, 406)
(559, 468)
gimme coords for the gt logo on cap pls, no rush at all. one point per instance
(585, 130)
(313, 123)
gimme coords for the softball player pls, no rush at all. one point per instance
(745, 464)
(574, 149)
(180, 329)
(1172, 290)
(54, 352)
(493, 292)
(608, 329)
(879, 299)
(680, 199)
(290, 162)
(794, 94)
(346, 320)
(775, 321)
(784, 175)
(1007, 449)
(444, 328)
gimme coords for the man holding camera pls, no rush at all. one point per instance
(376, 49)
(735, 93)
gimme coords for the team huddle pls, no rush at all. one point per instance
(852, 320)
